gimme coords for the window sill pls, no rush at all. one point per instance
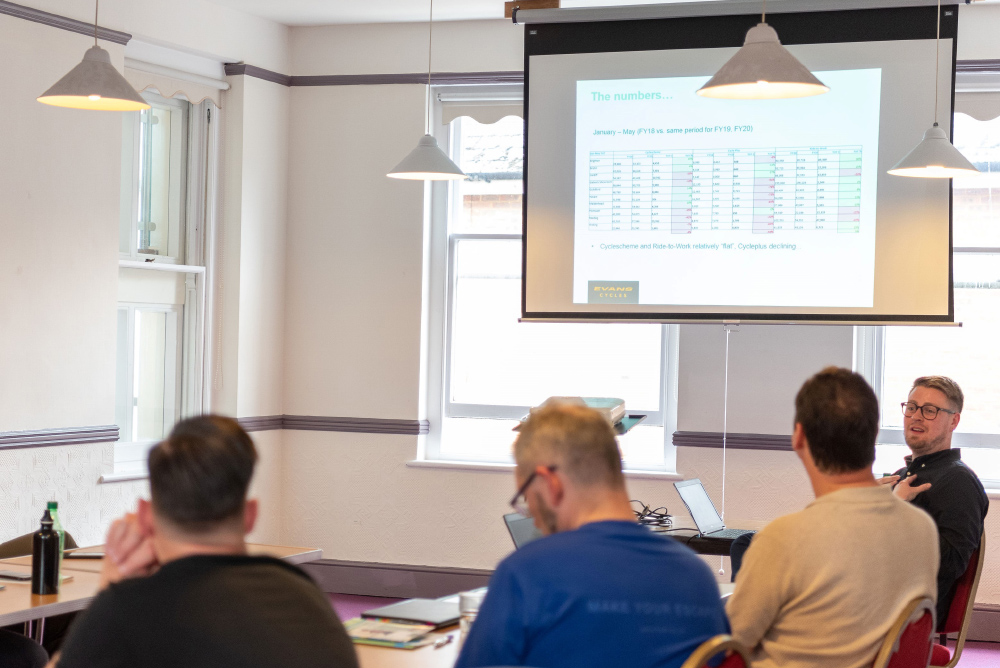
(122, 477)
(445, 464)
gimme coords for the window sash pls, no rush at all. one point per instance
(173, 355)
(134, 189)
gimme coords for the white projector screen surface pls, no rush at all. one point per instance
(647, 201)
(704, 201)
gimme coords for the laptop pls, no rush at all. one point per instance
(522, 529)
(703, 511)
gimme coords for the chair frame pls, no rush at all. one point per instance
(712, 647)
(969, 605)
(910, 613)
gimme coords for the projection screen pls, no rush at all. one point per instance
(644, 201)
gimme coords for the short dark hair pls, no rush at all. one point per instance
(199, 474)
(577, 438)
(839, 414)
(945, 386)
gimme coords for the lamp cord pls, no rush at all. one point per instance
(97, 4)
(763, 13)
(430, 47)
(937, 61)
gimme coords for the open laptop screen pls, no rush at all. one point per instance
(699, 505)
(522, 529)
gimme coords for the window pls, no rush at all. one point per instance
(968, 354)
(147, 394)
(154, 160)
(492, 368)
(168, 154)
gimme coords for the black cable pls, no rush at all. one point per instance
(655, 517)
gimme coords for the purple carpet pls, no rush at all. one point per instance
(348, 606)
(975, 654)
(979, 655)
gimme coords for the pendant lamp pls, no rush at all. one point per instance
(935, 157)
(427, 162)
(762, 69)
(94, 84)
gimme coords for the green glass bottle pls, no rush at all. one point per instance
(57, 527)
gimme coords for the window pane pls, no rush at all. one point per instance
(154, 178)
(150, 375)
(977, 198)
(492, 155)
(498, 361)
(967, 354)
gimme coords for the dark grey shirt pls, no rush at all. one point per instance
(958, 503)
(211, 612)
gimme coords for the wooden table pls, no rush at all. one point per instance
(293, 555)
(18, 604)
(425, 657)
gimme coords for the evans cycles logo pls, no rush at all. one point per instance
(619, 292)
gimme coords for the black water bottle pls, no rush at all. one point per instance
(45, 559)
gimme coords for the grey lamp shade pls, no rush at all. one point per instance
(762, 69)
(427, 162)
(94, 84)
(934, 158)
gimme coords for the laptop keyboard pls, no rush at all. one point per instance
(727, 533)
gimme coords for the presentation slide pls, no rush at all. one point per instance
(682, 200)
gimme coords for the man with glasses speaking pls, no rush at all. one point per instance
(599, 589)
(936, 480)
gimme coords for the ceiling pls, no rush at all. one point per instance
(324, 12)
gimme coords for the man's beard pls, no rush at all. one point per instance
(924, 447)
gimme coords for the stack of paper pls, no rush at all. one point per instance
(390, 634)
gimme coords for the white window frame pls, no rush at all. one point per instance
(132, 453)
(201, 179)
(441, 201)
(180, 139)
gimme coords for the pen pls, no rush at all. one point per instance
(444, 641)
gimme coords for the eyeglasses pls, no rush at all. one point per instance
(929, 411)
(519, 503)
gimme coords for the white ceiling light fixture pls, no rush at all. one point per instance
(935, 157)
(762, 69)
(94, 84)
(427, 162)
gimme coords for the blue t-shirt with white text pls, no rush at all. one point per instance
(607, 594)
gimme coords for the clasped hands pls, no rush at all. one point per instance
(904, 488)
(128, 551)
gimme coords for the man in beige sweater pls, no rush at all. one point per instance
(822, 586)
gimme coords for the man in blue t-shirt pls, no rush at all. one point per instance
(599, 590)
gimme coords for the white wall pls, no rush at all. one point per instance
(59, 184)
(199, 26)
(353, 324)
(255, 243)
(459, 46)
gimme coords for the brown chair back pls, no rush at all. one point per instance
(910, 638)
(738, 655)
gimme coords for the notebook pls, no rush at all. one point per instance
(418, 611)
(522, 529)
(703, 511)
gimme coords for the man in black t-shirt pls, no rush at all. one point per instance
(178, 588)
